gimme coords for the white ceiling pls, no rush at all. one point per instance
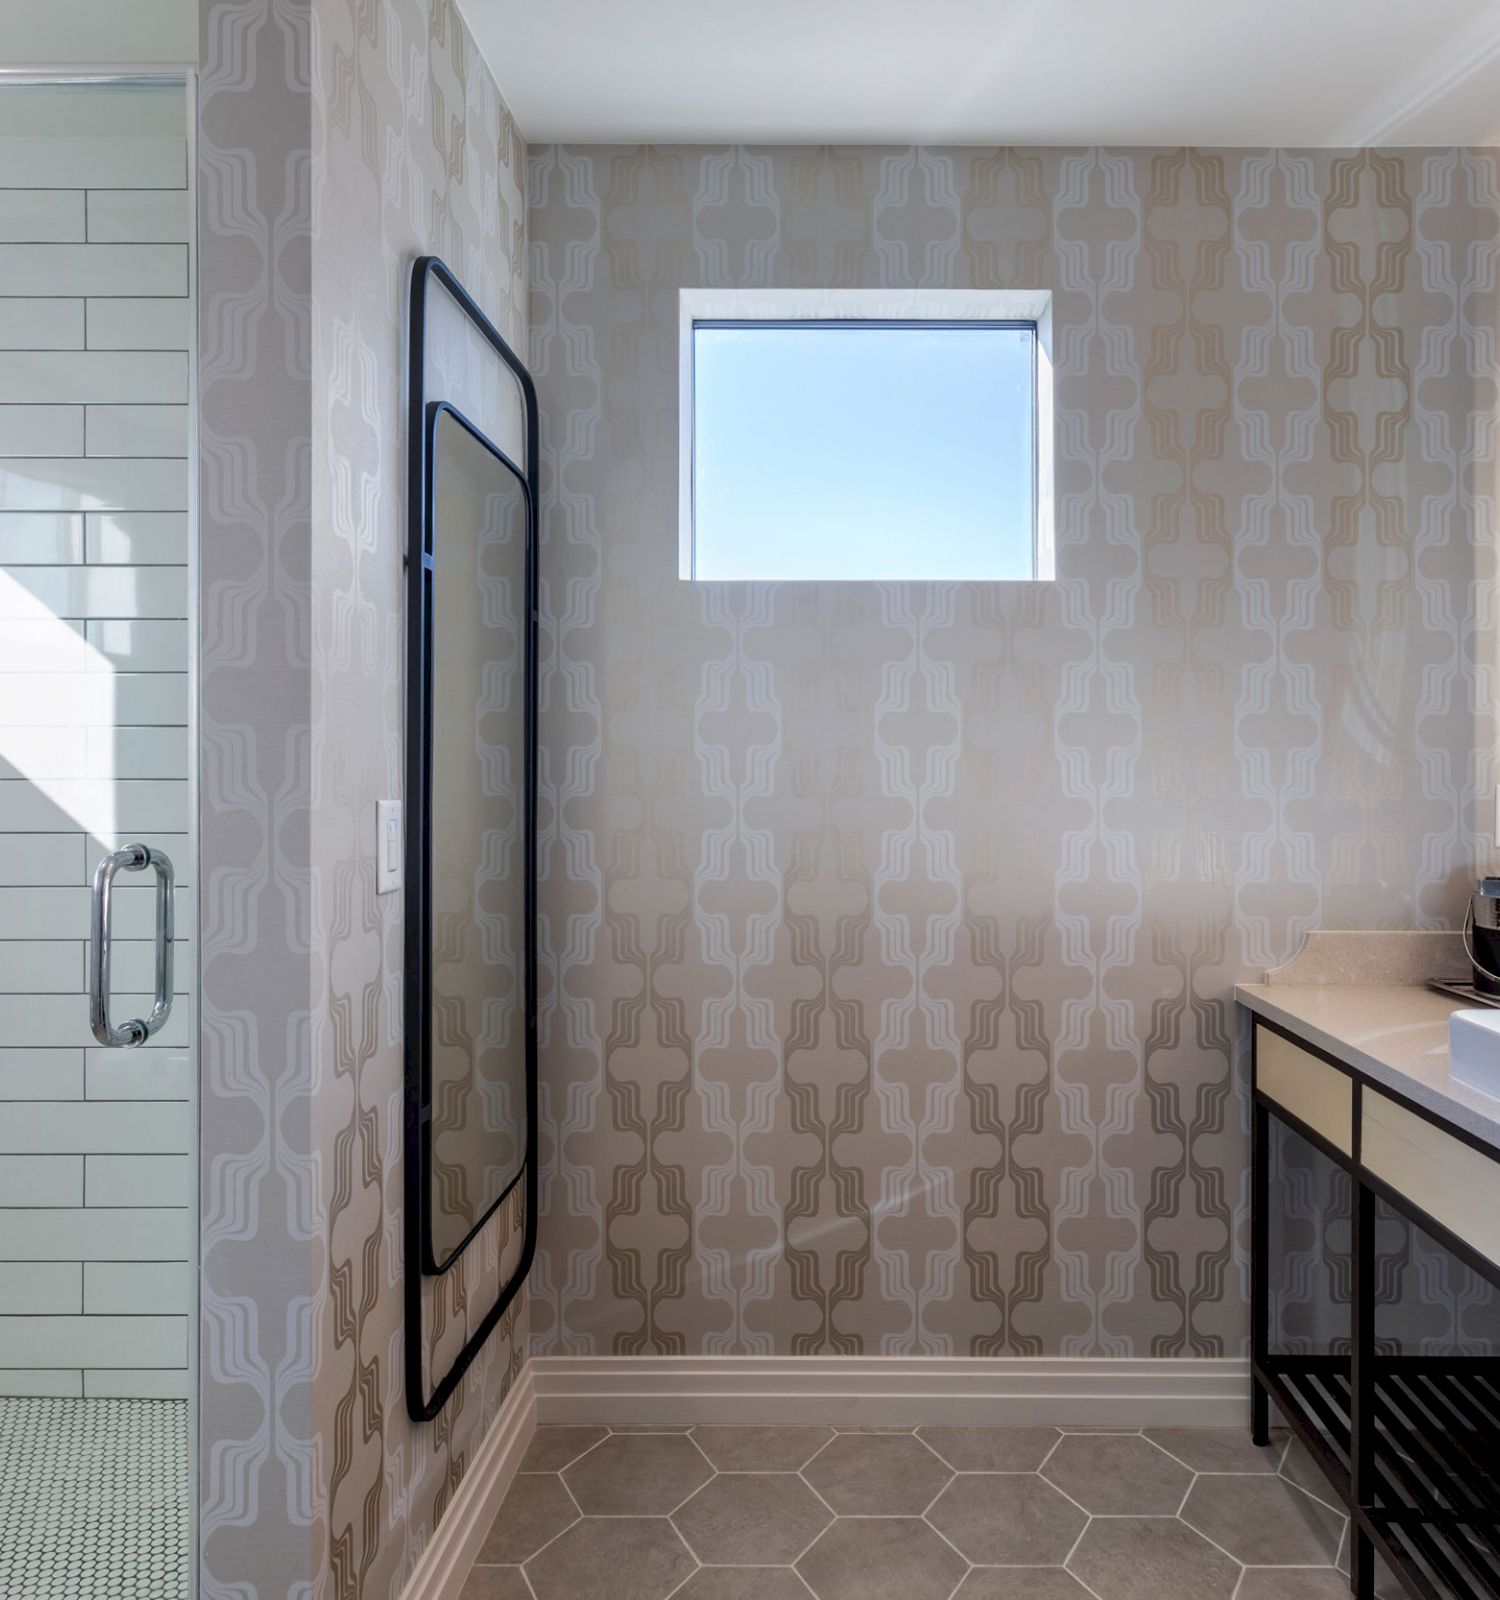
(1208, 72)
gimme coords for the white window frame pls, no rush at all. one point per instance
(874, 306)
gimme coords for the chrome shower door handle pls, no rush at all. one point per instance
(133, 858)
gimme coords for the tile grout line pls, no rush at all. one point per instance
(1214, 1542)
(577, 1505)
(692, 1556)
(1052, 1452)
(1064, 1493)
(818, 1497)
(1317, 1498)
(832, 1435)
(1074, 1576)
(968, 1565)
(932, 1450)
(555, 1537)
(1088, 1522)
(833, 1517)
(587, 1450)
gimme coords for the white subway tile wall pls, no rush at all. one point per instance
(48, 324)
(95, 1144)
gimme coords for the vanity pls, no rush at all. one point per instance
(1406, 1431)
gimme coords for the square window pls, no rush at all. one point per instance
(865, 447)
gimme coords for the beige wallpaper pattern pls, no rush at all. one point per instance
(888, 931)
(261, 1520)
(414, 152)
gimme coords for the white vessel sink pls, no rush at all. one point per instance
(1474, 1049)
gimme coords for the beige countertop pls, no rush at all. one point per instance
(1395, 1034)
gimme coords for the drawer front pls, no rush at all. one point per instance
(1451, 1181)
(1314, 1093)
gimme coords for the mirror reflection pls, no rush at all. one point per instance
(478, 906)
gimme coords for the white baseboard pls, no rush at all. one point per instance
(893, 1391)
(445, 1563)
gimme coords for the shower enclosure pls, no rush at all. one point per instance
(98, 1112)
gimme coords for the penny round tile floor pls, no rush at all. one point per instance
(93, 1499)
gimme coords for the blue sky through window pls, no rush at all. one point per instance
(863, 452)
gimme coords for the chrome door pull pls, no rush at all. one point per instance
(133, 858)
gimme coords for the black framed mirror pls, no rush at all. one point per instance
(470, 934)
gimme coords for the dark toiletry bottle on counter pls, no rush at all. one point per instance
(1484, 924)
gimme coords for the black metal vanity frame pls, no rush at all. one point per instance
(419, 1258)
(1388, 1431)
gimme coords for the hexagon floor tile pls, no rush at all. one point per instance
(1021, 1583)
(881, 1558)
(940, 1513)
(624, 1558)
(1220, 1449)
(1118, 1475)
(1282, 1583)
(746, 1519)
(637, 1475)
(497, 1583)
(1151, 1558)
(537, 1509)
(877, 1475)
(552, 1449)
(761, 1449)
(1007, 1519)
(1264, 1522)
(743, 1583)
(1298, 1466)
(991, 1449)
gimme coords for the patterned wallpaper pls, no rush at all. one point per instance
(414, 152)
(337, 141)
(889, 931)
(262, 1520)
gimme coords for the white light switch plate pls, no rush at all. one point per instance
(389, 846)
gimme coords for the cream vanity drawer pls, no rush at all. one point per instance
(1451, 1181)
(1315, 1093)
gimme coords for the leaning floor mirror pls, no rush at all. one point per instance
(470, 1003)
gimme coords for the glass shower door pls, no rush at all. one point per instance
(97, 1131)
